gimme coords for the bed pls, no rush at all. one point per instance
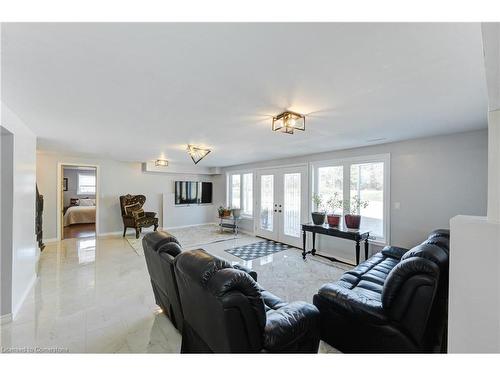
(79, 215)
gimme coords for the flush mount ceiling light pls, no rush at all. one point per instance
(161, 163)
(197, 153)
(288, 121)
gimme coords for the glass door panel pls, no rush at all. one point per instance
(291, 204)
(266, 202)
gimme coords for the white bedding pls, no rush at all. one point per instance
(79, 215)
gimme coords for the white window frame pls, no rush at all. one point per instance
(229, 194)
(78, 191)
(346, 163)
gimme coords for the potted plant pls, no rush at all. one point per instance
(224, 211)
(318, 216)
(236, 212)
(353, 220)
(333, 204)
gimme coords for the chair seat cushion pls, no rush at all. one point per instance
(146, 221)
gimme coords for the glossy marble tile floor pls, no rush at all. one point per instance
(94, 296)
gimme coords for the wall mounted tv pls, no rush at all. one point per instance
(193, 192)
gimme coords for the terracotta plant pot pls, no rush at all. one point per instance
(318, 218)
(352, 221)
(333, 220)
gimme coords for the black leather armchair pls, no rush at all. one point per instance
(396, 301)
(226, 311)
(160, 251)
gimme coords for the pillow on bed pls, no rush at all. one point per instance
(87, 202)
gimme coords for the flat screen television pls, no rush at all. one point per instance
(193, 192)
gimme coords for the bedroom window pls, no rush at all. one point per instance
(365, 177)
(241, 192)
(86, 184)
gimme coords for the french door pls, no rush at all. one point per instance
(282, 204)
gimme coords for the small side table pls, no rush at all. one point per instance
(229, 222)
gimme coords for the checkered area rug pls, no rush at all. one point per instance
(257, 249)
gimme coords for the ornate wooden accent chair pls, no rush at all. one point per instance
(134, 216)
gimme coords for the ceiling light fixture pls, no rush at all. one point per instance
(288, 121)
(161, 163)
(197, 153)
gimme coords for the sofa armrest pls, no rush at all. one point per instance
(348, 302)
(252, 273)
(150, 214)
(394, 252)
(292, 328)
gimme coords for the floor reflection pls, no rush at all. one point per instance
(86, 250)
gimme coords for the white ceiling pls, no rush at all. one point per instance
(138, 92)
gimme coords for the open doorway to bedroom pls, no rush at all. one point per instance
(78, 201)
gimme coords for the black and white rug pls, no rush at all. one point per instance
(258, 249)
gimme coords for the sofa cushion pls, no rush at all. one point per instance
(290, 324)
(440, 233)
(403, 271)
(394, 252)
(353, 302)
(434, 253)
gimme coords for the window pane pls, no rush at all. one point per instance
(235, 191)
(247, 194)
(330, 181)
(367, 183)
(86, 184)
(291, 211)
(266, 202)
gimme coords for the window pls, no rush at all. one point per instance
(241, 192)
(236, 191)
(247, 188)
(330, 181)
(367, 183)
(366, 179)
(86, 184)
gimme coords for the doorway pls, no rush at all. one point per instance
(78, 203)
(282, 204)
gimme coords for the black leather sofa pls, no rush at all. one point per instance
(226, 311)
(160, 251)
(396, 301)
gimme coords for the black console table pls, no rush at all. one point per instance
(340, 232)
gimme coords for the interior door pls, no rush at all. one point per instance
(282, 204)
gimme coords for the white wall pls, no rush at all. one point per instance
(116, 178)
(25, 252)
(474, 307)
(432, 178)
(6, 209)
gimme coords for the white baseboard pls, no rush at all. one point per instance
(110, 233)
(49, 240)
(15, 309)
(4, 319)
(188, 226)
